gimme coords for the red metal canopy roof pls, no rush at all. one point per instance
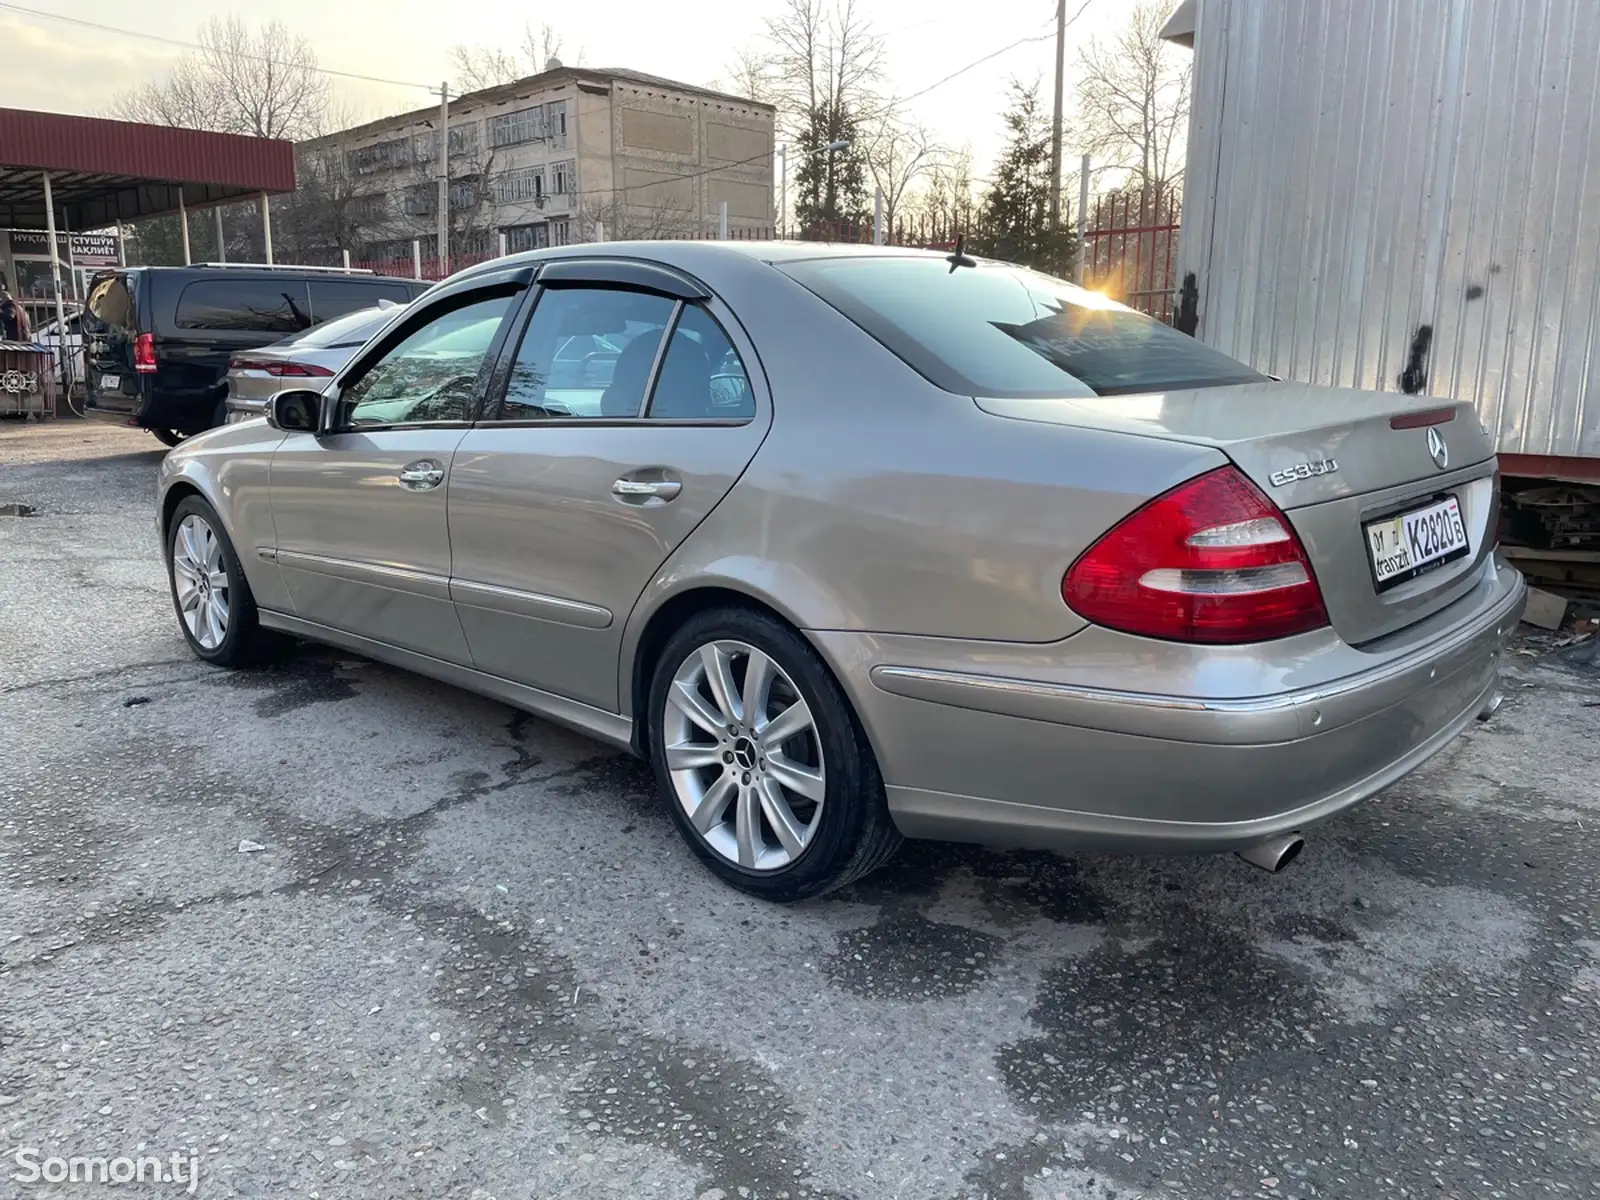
(106, 171)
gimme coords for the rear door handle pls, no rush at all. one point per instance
(421, 475)
(637, 490)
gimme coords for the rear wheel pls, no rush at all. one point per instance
(210, 594)
(765, 769)
(167, 437)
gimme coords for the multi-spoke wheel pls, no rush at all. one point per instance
(762, 760)
(209, 591)
(200, 582)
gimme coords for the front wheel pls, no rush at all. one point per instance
(763, 764)
(167, 437)
(215, 607)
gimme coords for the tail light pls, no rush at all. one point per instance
(144, 353)
(1213, 560)
(280, 370)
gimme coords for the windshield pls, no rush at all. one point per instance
(351, 330)
(1004, 331)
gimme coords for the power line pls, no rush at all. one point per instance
(180, 44)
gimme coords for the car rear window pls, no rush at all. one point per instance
(244, 305)
(332, 298)
(1003, 331)
(351, 330)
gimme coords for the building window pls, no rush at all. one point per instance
(365, 160)
(369, 208)
(514, 128)
(556, 122)
(520, 187)
(397, 250)
(464, 192)
(527, 237)
(562, 182)
(464, 139)
(560, 233)
(474, 243)
(421, 199)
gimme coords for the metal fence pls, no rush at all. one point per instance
(1130, 250)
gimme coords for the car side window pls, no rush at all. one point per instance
(702, 377)
(587, 352)
(431, 375)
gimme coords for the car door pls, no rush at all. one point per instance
(577, 484)
(359, 507)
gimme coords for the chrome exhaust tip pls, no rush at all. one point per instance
(1492, 705)
(1274, 854)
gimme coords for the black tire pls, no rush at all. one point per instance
(244, 642)
(855, 834)
(167, 437)
(219, 415)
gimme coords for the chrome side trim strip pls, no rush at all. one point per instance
(605, 726)
(530, 604)
(423, 583)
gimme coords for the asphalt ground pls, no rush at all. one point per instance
(338, 931)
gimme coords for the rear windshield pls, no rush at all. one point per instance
(347, 331)
(331, 298)
(110, 304)
(1003, 331)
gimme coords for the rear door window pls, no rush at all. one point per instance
(245, 306)
(332, 298)
(1003, 331)
(111, 304)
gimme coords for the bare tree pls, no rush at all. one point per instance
(946, 200)
(624, 220)
(1133, 100)
(264, 82)
(826, 60)
(752, 75)
(480, 66)
(898, 153)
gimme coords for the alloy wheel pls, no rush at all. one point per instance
(744, 755)
(200, 581)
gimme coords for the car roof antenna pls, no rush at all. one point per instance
(959, 259)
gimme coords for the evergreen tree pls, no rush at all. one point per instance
(831, 189)
(1016, 210)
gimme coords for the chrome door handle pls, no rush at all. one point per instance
(646, 489)
(420, 476)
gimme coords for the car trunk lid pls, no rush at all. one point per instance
(1393, 496)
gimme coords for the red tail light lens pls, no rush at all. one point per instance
(280, 370)
(144, 353)
(1213, 560)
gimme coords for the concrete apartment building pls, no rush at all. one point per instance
(555, 158)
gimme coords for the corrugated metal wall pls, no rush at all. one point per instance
(1389, 188)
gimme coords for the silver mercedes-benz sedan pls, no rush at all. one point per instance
(856, 543)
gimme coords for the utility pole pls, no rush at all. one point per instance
(444, 180)
(1055, 124)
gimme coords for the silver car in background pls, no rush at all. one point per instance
(308, 359)
(855, 543)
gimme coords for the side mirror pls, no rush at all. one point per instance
(295, 412)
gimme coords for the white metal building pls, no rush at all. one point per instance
(1404, 194)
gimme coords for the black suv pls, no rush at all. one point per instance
(157, 340)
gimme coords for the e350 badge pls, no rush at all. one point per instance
(1305, 470)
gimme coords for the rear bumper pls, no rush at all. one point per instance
(1043, 759)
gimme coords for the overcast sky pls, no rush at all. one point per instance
(65, 68)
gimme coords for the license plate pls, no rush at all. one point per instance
(1416, 542)
(111, 383)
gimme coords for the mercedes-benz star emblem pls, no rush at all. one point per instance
(1437, 448)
